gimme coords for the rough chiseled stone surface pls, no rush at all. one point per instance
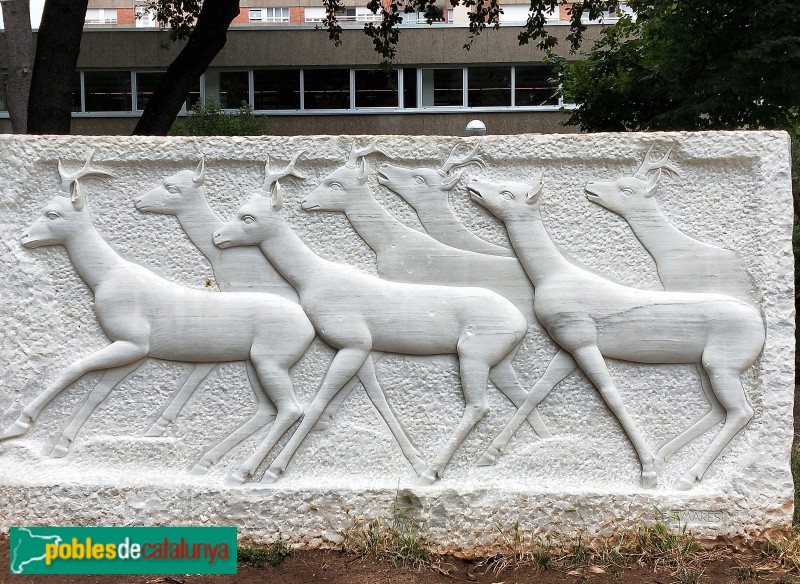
(732, 191)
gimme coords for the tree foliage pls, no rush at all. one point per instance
(211, 120)
(690, 64)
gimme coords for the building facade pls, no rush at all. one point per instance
(277, 61)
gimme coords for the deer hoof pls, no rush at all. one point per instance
(157, 430)
(237, 478)
(488, 459)
(426, 478)
(686, 484)
(200, 468)
(322, 424)
(18, 428)
(61, 449)
(270, 476)
(649, 480)
(419, 466)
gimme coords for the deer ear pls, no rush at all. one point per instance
(277, 196)
(448, 182)
(200, 172)
(77, 195)
(534, 192)
(652, 183)
(362, 170)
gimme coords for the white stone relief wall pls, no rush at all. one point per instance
(686, 196)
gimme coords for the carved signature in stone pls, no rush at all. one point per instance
(592, 318)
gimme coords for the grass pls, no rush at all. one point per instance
(398, 541)
(259, 556)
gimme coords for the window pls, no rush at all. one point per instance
(327, 88)
(533, 86)
(376, 89)
(277, 14)
(521, 12)
(442, 87)
(76, 92)
(489, 87)
(101, 16)
(276, 90)
(314, 14)
(3, 95)
(255, 15)
(145, 19)
(107, 91)
(147, 82)
(410, 88)
(346, 14)
(365, 15)
(608, 16)
(229, 88)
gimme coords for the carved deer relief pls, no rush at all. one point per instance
(593, 318)
(427, 191)
(147, 316)
(356, 313)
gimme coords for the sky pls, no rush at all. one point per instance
(36, 13)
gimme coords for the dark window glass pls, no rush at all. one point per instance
(410, 88)
(442, 87)
(146, 84)
(3, 95)
(194, 95)
(76, 92)
(107, 91)
(376, 89)
(234, 89)
(533, 86)
(327, 88)
(489, 86)
(277, 89)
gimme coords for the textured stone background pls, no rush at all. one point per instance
(733, 191)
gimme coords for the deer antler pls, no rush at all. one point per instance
(70, 182)
(648, 165)
(453, 162)
(270, 178)
(356, 153)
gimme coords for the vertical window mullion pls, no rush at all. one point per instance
(513, 87)
(83, 95)
(352, 89)
(419, 87)
(464, 87)
(400, 88)
(250, 89)
(134, 93)
(302, 89)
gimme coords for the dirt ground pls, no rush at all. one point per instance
(333, 567)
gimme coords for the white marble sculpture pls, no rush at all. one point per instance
(365, 268)
(147, 316)
(593, 318)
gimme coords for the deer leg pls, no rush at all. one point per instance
(111, 378)
(593, 364)
(474, 381)
(196, 377)
(504, 377)
(344, 365)
(116, 354)
(561, 365)
(710, 419)
(378, 399)
(280, 390)
(265, 413)
(728, 388)
(330, 412)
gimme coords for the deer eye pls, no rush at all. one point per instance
(171, 189)
(335, 186)
(507, 195)
(248, 219)
(419, 180)
(52, 215)
(627, 192)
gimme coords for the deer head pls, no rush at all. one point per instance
(62, 219)
(71, 182)
(337, 189)
(506, 200)
(178, 192)
(632, 192)
(417, 185)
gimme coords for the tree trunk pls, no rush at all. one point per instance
(207, 39)
(58, 45)
(19, 47)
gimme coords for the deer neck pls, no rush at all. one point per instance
(299, 266)
(93, 258)
(376, 225)
(655, 232)
(199, 224)
(536, 251)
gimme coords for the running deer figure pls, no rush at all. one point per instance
(684, 264)
(593, 318)
(237, 269)
(145, 315)
(427, 190)
(407, 255)
(356, 313)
